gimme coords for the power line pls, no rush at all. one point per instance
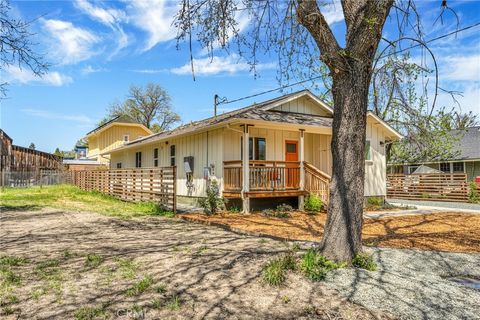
(318, 77)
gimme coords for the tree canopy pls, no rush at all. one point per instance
(149, 105)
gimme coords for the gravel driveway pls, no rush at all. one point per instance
(413, 284)
(203, 272)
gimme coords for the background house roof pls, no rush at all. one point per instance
(120, 119)
(469, 144)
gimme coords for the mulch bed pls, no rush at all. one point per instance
(449, 231)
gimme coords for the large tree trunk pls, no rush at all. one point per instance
(342, 238)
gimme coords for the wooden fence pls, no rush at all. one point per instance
(150, 184)
(428, 186)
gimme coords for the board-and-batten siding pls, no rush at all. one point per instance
(195, 145)
(375, 170)
(112, 138)
(302, 105)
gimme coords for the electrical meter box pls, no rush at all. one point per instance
(188, 164)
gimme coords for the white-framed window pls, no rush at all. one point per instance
(445, 167)
(126, 138)
(368, 151)
(257, 148)
(138, 159)
(155, 157)
(172, 155)
(458, 167)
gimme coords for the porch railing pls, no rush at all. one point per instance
(264, 175)
(317, 182)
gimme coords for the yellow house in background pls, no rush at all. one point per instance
(113, 134)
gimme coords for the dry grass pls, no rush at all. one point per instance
(456, 232)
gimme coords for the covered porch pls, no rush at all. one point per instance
(279, 163)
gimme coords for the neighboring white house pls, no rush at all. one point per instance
(288, 139)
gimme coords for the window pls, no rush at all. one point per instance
(257, 148)
(172, 156)
(138, 159)
(119, 165)
(445, 167)
(411, 169)
(458, 167)
(126, 138)
(155, 157)
(368, 151)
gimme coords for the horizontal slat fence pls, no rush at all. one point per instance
(428, 186)
(150, 184)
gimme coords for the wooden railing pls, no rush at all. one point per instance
(150, 184)
(428, 186)
(264, 175)
(317, 182)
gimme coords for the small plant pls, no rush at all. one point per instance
(90, 313)
(274, 273)
(313, 203)
(375, 201)
(425, 195)
(174, 303)
(284, 208)
(473, 194)
(127, 268)
(140, 287)
(364, 261)
(234, 209)
(161, 288)
(315, 266)
(12, 261)
(93, 260)
(213, 202)
(269, 213)
(282, 211)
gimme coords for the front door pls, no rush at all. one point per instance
(292, 170)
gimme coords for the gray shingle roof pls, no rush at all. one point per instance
(256, 111)
(469, 144)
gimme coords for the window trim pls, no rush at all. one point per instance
(252, 147)
(447, 164)
(138, 159)
(173, 155)
(457, 163)
(155, 157)
(368, 150)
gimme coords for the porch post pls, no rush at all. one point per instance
(246, 170)
(302, 169)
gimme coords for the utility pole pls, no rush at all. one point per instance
(215, 97)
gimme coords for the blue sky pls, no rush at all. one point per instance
(98, 49)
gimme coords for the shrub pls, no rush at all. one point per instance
(364, 261)
(274, 273)
(213, 202)
(375, 201)
(473, 194)
(315, 266)
(313, 203)
(282, 211)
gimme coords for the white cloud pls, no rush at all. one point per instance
(82, 119)
(16, 74)
(109, 17)
(89, 69)
(217, 65)
(461, 68)
(70, 44)
(150, 71)
(155, 17)
(332, 12)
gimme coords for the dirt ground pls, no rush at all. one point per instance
(65, 265)
(455, 232)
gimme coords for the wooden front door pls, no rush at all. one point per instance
(292, 170)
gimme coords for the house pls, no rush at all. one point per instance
(81, 151)
(467, 159)
(111, 135)
(82, 164)
(288, 141)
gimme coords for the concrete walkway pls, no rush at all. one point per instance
(439, 206)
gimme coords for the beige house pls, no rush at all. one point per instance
(288, 141)
(113, 134)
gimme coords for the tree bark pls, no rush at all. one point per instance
(342, 238)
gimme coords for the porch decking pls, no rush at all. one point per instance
(274, 179)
